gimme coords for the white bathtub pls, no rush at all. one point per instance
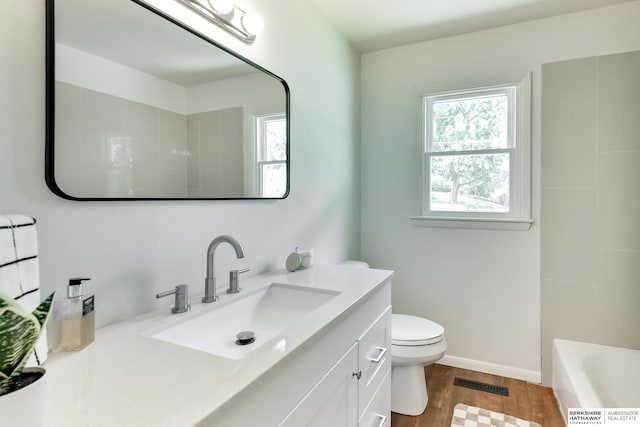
(595, 376)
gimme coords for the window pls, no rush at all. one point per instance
(476, 160)
(271, 138)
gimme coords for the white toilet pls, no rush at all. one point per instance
(415, 343)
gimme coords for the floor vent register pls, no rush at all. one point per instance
(476, 385)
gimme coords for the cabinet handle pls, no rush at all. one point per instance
(383, 420)
(377, 359)
(357, 374)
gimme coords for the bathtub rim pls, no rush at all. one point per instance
(570, 384)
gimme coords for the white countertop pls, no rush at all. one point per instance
(126, 378)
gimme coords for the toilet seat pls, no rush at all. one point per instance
(409, 330)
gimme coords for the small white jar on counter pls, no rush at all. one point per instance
(301, 258)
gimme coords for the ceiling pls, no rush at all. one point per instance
(375, 24)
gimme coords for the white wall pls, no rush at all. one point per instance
(482, 286)
(134, 249)
(257, 93)
(83, 69)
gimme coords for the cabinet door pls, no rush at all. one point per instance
(333, 401)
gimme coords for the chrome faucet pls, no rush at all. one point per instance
(210, 281)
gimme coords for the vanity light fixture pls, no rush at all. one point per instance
(223, 7)
(225, 14)
(252, 23)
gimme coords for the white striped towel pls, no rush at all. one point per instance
(20, 271)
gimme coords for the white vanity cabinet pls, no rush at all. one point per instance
(356, 390)
(342, 377)
(329, 368)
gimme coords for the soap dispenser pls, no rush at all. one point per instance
(77, 318)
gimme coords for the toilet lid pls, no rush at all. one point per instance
(413, 330)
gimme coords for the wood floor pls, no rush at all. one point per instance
(526, 401)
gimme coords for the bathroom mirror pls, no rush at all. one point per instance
(139, 106)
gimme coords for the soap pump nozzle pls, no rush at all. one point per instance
(74, 290)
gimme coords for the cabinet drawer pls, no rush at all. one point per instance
(378, 414)
(374, 358)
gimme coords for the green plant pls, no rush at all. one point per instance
(19, 332)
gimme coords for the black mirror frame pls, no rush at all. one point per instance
(49, 161)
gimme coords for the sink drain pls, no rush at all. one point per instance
(245, 337)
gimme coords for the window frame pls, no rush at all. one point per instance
(518, 148)
(260, 141)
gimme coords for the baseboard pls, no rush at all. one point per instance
(560, 409)
(492, 368)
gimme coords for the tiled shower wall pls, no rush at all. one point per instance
(112, 147)
(106, 145)
(215, 164)
(590, 224)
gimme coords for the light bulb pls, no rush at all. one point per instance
(252, 23)
(223, 7)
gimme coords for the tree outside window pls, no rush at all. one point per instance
(469, 147)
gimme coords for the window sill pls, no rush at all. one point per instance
(472, 223)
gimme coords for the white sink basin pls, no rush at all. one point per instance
(266, 311)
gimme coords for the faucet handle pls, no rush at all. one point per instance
(182, 298)
(233, 280)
